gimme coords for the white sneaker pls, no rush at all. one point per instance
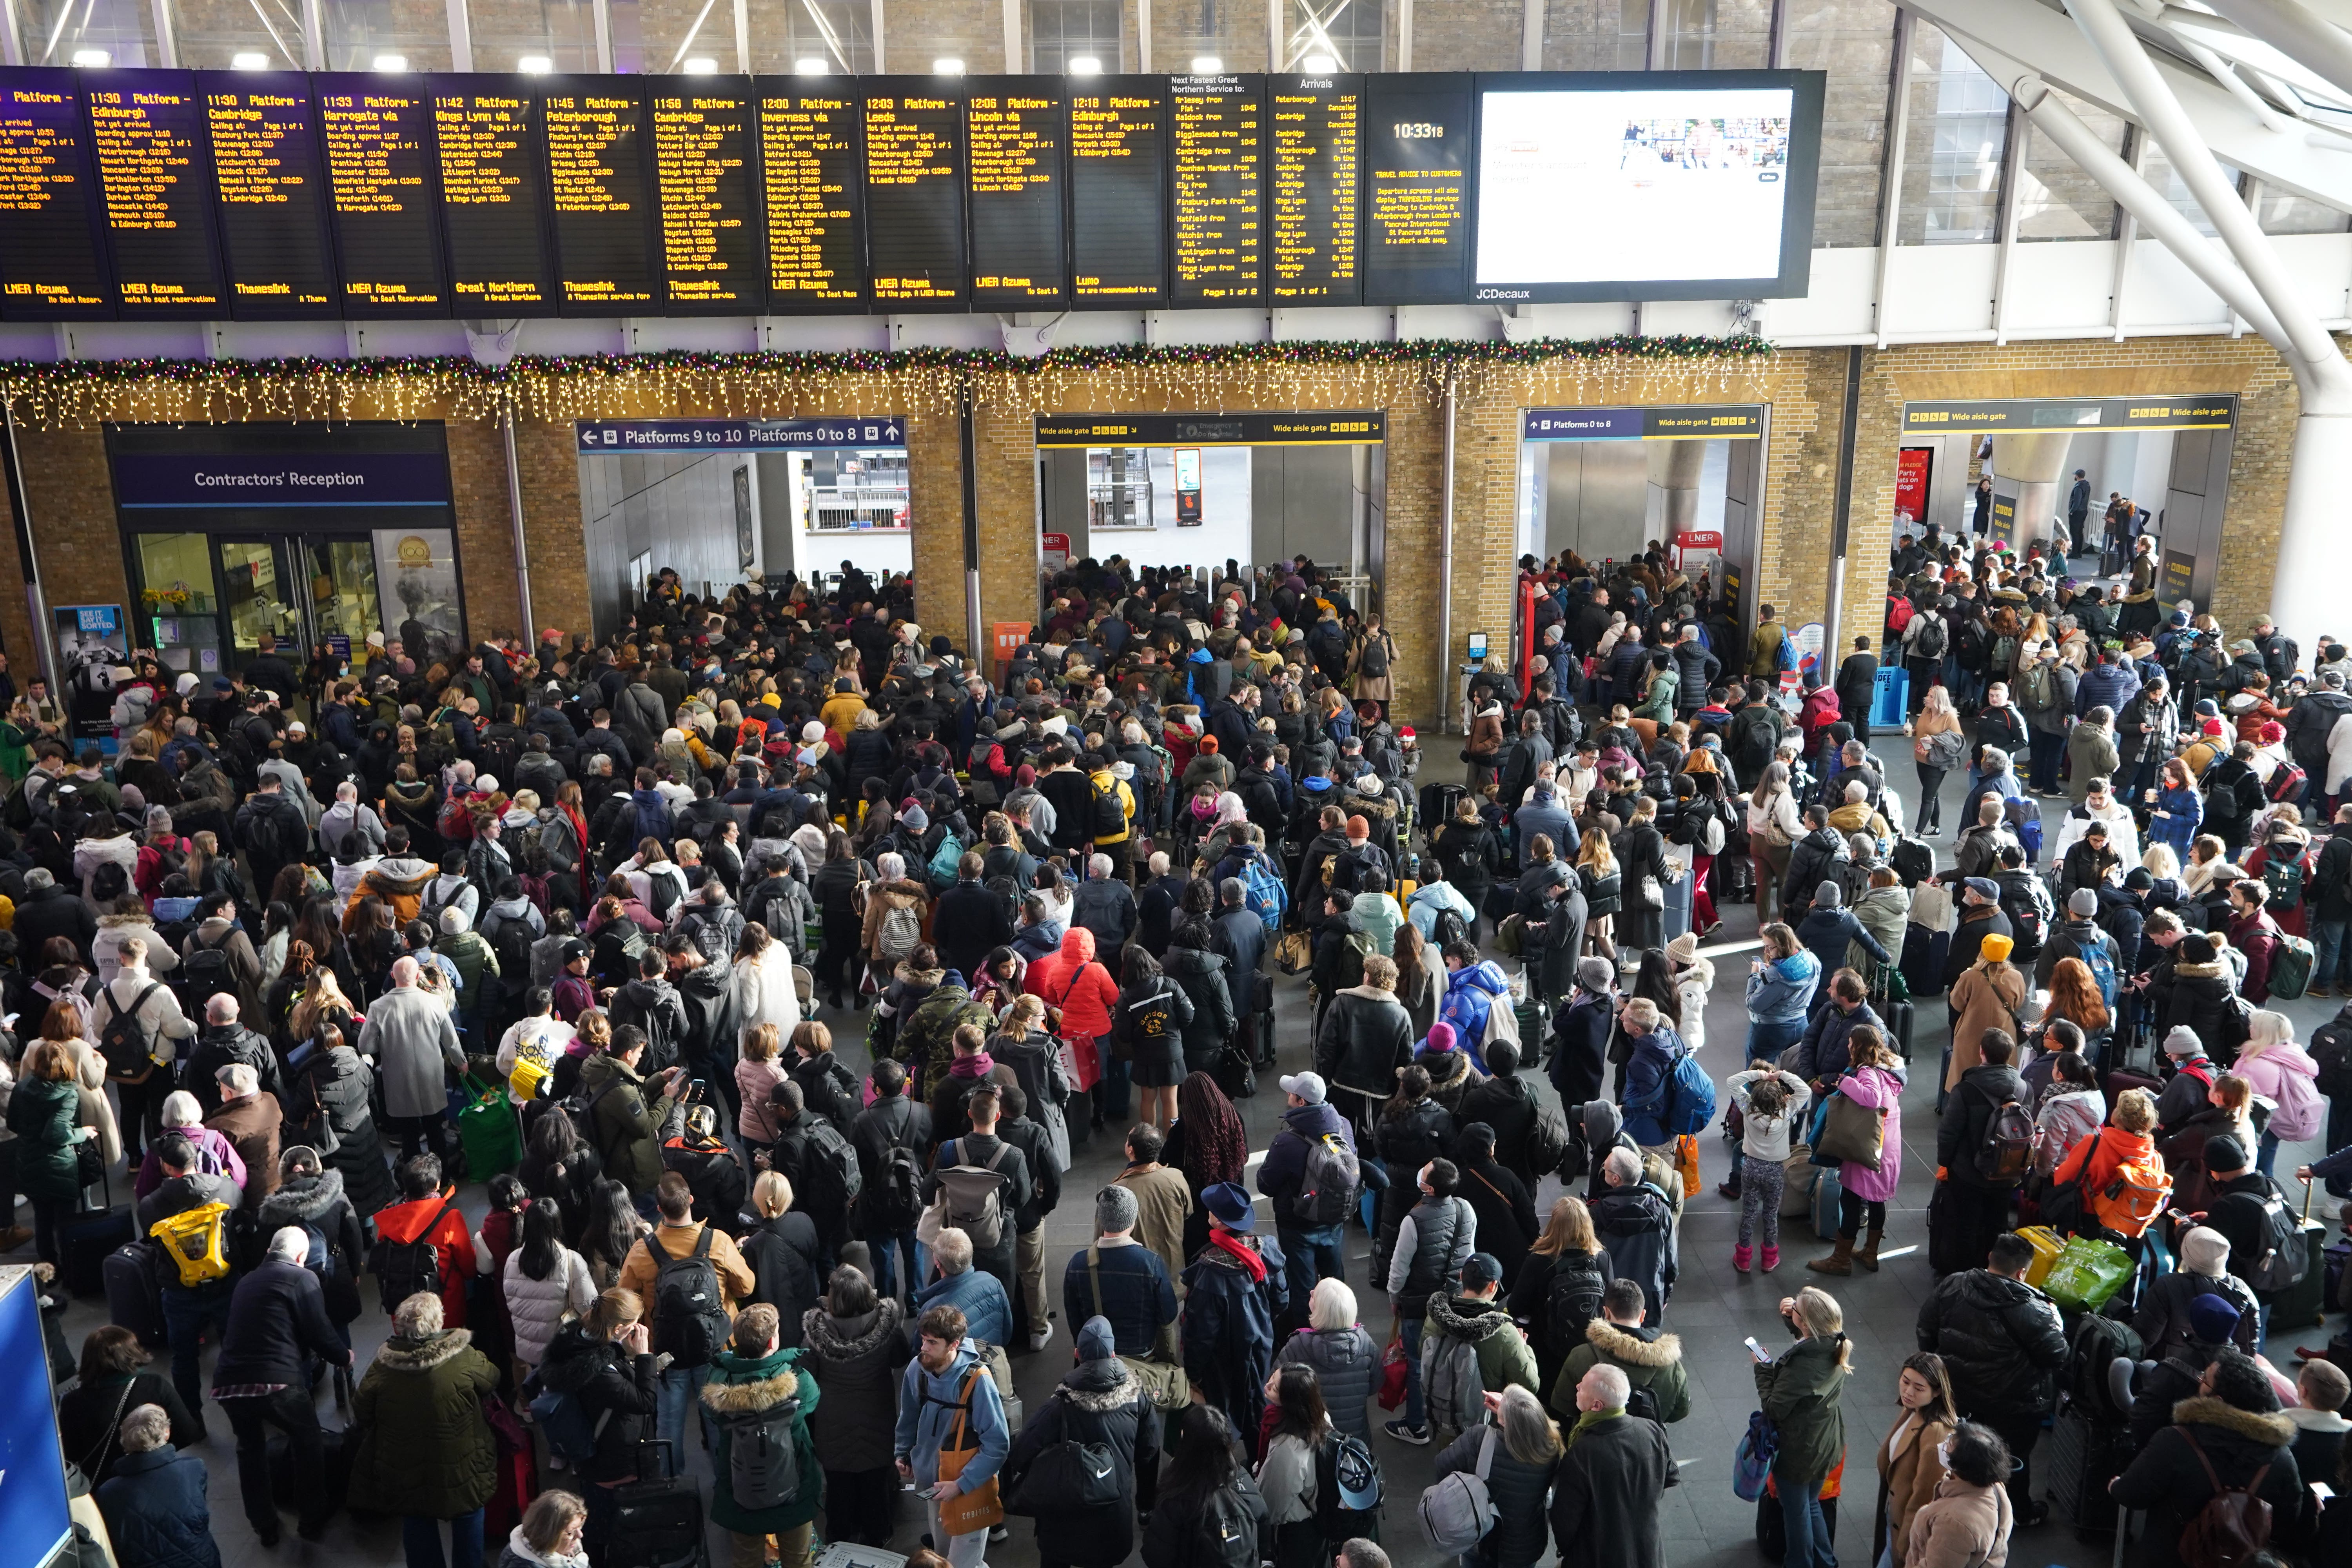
(1038, 1341)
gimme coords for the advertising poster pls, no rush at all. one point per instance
(747, 548)
(417, 579)
(92, 640)
(2004, 522)
(1915, 469)
(2172, 585)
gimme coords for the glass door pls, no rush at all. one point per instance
(178, 613)
(344, 607)
(256, 601)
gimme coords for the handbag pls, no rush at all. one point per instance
(1852, 1133)
(1649, 893)
(1392, 1370)
(982, 1508)
(1752, 1463)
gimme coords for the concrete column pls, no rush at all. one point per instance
(1678, 478)
(2032, 469)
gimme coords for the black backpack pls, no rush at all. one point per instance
(1227, 1533)
(1573, 1301)
(512, 946)
(830, 1167)
(1108, 817)
(405, 1269)
(893, 1202)
(123, 1041)
(1345, 1462)
(205, 975)
(689, 1311)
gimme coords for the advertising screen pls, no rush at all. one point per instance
(1589, 189)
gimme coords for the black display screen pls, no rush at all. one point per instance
(1315, 189)
(706, 178)
(597, 165)
(1417, 179)
(1219, 186)
(147, 140)
(1015, 133)
(382, 202)
(812, 185)
(52, 252)
(1118, 188)
(914, 192)
(493, 194)
(272, 198)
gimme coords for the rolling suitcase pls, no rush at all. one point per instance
(2078, 1461)
(1899, 1016)
(86, 1240)
(657, 1519)
(1827, 1193)
(133, 1274)
(1922, 963)
(2302, 1303)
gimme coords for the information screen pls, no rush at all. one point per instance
(914, 192)
(1015, 135)
(1693, 185)
(1417, 190)
(52, 255)
(147, 139)
(1220, 174)
(812, 184)
(272, 198)
(1119, 185)
(1312, 208)
(597, 163)
(382, 207)
(706, 158)
(493, 184)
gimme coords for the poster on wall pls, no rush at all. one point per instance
(417, 580)
(2172, 587)
(1915, 469)
(2004, 522)
(94, 641)
(746, 536)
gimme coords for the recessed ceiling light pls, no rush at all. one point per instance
(809, 68)
(245, 62)
(1085, 65)
(700, 65)
(92, 59)
(391, 62)
(537, 65)
(1319, 63)
(1207, 65)
(947, 64)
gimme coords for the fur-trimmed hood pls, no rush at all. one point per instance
(301, 1199)
(823, 1335)
(1098, 1387)
(908, 974)
(423, 1355)
(1700, 971)
(2275, 1430)
(1462, 1319)
(758, 1394)
(1629, 1346)
(1371, 994)
(2213, 970)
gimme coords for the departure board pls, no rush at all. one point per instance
(1219, 173)
(52, 254)
(272, 199)
(597, 165)
(1014, 132)
(493, 194)
(1417, 190)
(1118, 161)
(914, 192)
(147, 141)
(381, 201)
(812, 185)
(1313, 254)
(706, 160)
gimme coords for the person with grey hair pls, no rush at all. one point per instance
(350, 829)
(278, 1326)
(1634, 1219)
(1103, 905)
(1119, 1280)
(1608, 1491)
(413, 1041)
(425, 1449)
(157, 1514)
(224, 1040)
(1526, 1448)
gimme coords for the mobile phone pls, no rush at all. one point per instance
(2322, 1491)
(1762, 1355)
(697, 1089)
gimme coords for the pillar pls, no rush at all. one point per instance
(1679, 480)
(2032, 469)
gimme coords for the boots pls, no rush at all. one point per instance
(1867, 1254)
(1772, 1259)
(1840, 1262)
(1741, 1257)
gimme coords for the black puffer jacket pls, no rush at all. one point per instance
(1411, 1138)
(1809, 868)
(2200, 1000)
(604, 1377)
(1097, 1402)
(1346, 1362)
(2170, 1482)
(1201, 976)
(2001, 1338)
(338, 1082)
(855, 1362)
(1508, 1106)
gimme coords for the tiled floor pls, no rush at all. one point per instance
(1713, 1309)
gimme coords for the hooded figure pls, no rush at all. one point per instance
(1098, 1403)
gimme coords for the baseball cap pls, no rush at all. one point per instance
(1307, 1086)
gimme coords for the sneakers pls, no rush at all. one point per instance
(1741, 1257)
(1417, 1436)
(1038, 1339)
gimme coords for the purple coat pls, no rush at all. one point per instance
(1881, 1090)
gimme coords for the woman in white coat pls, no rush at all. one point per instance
(761, 982)
(545, 1281)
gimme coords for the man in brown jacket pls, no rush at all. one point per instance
(249, 1119)
(1163, 1199)
(681, 1314)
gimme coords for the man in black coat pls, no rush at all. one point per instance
(1506, 1214)
(2247, 1210)
(2001, 1340)
(970, 922)
(47, 910)
(2234, 1426)
(1970, 1207)
(1820, 847)
(1857, 681)
(1031, 1310)
(278, 1325)
(1606, 1497)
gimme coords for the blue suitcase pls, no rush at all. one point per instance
(1825, 1205)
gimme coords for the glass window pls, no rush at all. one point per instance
(343, 599)
(79, 32)
(1467, 36)
(507, 33)
(2055, 199)
(1853, 41)
(667, 35)
(1351, 33)
(360, 33)
(838, 32)
(1952, 151)
(1230, 32)
(1596, 34)
(177, 615)
(972, 31)
(1715, 35)
(1061, 31)
(214, 34)
(2158, 170)
(2282, 211)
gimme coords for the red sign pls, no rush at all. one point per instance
(1056, 551)
(1913, 467)
(1688, 546)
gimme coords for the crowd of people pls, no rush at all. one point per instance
(501, 997)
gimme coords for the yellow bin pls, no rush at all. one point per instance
(2047, 1244)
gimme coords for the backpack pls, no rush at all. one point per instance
(2133, 1196)
(196, 1241)
(689, 1311)
(900, 932)
(2283, 875)
(2284, 1261)
(763, 1460)
(205, 973)
(124, 1041)
(1573, 1301)
(267, 836)
(405, 1269)
(2222, 804)
(1785, 659)
(2041, 687)
(1690, 1097)
(570, 1436)
(832, 1168)
(1263, 890)
(1899, 612)
(1549, 1140)
(2005, 652)
(2007, 1153)
(1066, 1475)
(1333, 1178)
(512, 947)
(1932, 639)
(1643, 1401)
(893, 1202)
(945, 863)
(2027, 905)
(2286, 782)
(1226, 1534)
(2234, 1525)
(2331, 1047)
(973, 1197)
(1458, 1512)
(2291, 964)
(1451, 1383)
(2099, 958)
(1106, 818)
(1344, 1465)
(2095, 1346)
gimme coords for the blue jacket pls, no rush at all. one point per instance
(2108, 686)
(1544, 814)
(1469, 993)
(1285, 1166)
(2185, 810)
(1229, 1325)
(1428, 899)
(156, 1512)
(1827, 932)
(927, 1417)
(979, 1296)
(1649, 1085)
(1778, 992)
(1136, 1297)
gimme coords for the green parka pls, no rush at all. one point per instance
(740, 1386)
(1802, 1392)
(425, 1448)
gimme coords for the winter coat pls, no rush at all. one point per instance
(334, 1085)
(1347, 1365)
(1228, 1326)
(2001, 1338)
(1508, 1106)
(2268, 1070)
(605, 1379)
(1827, 1047)
(1201, 976)
(425, 1448)
(1965, 1527)
(537, 1307)
(156, 1512)
(855, 1360)
(278, 1325)
(1649, 1358)
(43, 1114)
(319, 1203)
(1981, 1001)
(410, 1034)
(89, 1417)
(1636, 1225)
(1071, 980)
(1879, 1089)
(1907, 1483)
(1802, 1390)
(1606, 1494)
(1520, 1492)
(783, 1253)
(2167, 1480)
(1649, 1075)
(740, 1387)
(1502, 1350)
(1097, 1402)
(1780, 992)
(1364, 1039)
(624, 1127)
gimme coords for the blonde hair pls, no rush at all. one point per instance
(761, 1041)
(1380, 971)
(2266, 1029)
(1571, 1226)
(1824, 1319)
(2135, 1111)
(772, 1192)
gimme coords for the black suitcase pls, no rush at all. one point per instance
(2077, 1462)
(134, 1291)
(657, 1519)
(1924, 952)
(1899, 1016)
(88, 1239)
(2305, 1302)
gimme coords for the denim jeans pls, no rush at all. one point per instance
(188, 1311)
(882, 1248)
(1308, 1256)
(2331, 958)
(2266, 1152)
(1416, 1414)
(1808, 1532)
(680, 1386)
(420, 1539)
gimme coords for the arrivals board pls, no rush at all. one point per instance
(1314, 243)
(53, 257)
(384, 204)
(265, 173)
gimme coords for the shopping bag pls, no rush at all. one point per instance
(1687, 1161)
(1393, 1371)
(2086, 1273)
(981, 1508)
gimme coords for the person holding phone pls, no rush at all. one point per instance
(1803, 1393)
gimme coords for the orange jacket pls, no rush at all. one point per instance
(2110, 1148)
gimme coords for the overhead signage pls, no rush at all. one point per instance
(605, 438)
(1677, 422)
(1336, 430)
(2040, 415)
(149, 479)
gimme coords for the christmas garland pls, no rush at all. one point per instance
(80, 392)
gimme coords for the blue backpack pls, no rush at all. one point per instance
(570, 1434)
(1690, 1098)
(1751, 1466)
(1788, 659)
(1266, 897)
(2100, 960)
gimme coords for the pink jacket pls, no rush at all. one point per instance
(754, 1081)
(1881, 1090)
(2299, 1110)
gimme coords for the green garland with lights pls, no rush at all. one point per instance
(80, 392)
